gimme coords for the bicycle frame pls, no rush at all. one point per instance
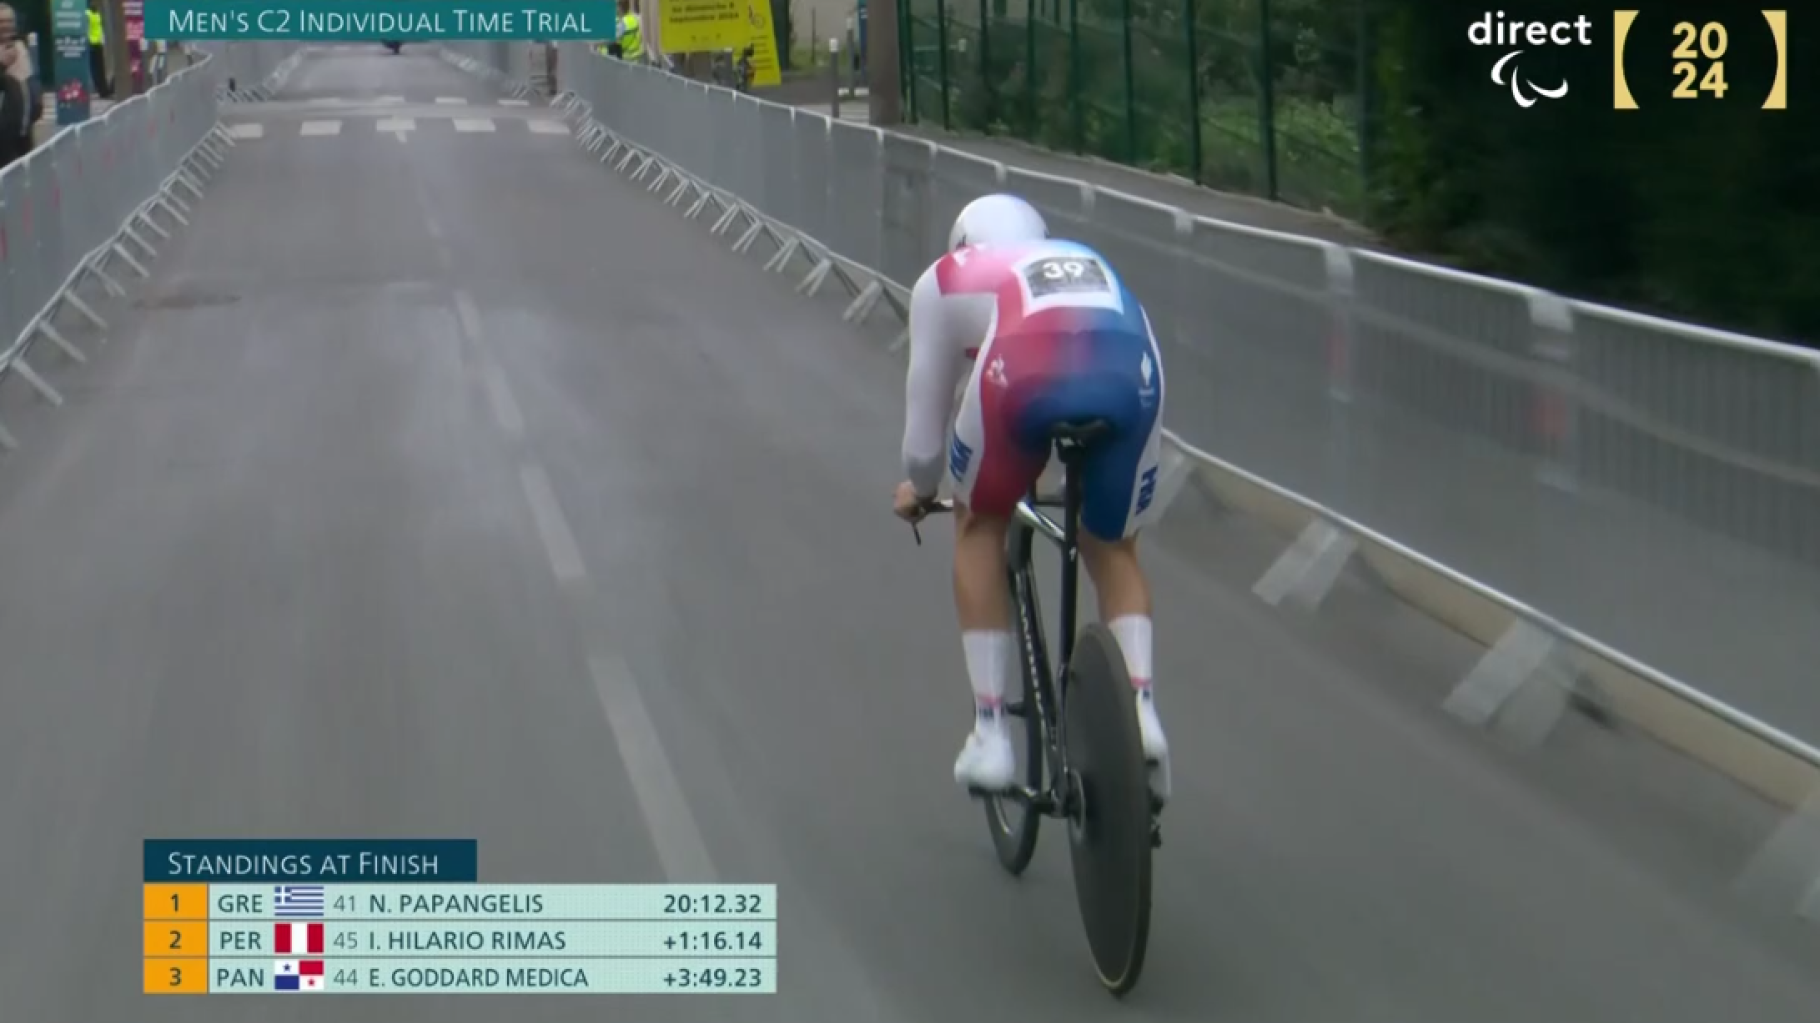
(1051, 679)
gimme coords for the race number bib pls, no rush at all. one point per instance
(1066, 275)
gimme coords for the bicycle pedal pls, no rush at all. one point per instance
(1156, 834)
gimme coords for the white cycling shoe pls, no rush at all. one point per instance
(1156, 746)
(987, 762)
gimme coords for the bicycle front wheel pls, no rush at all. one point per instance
(1109, 815)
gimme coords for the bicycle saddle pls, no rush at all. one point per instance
(1081, 432)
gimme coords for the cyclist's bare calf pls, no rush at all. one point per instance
(1117, 577)
(980, 599)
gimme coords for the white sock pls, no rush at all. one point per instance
(1133, 634)
(988, 659)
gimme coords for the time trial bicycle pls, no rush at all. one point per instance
(1083, 754)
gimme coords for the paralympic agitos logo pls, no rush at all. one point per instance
(1518, 36)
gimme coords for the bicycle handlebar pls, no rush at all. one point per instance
(933, 506)
(1028, 511)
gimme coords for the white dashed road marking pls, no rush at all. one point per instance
(662, 802)
(451, 101)
(505, 408)
(665, 807)
(398, 126)
(558, 541)
(514, 102)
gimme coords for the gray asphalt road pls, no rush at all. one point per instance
(447, 485)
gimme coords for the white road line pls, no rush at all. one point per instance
(675, 835)
(674, 832)
(247, 131)
(320, 128)
(477, 124)
(505, 407)
(469, 315)
(397, 124)
(389, 99)
(514, 102)
(499, 391)
(558, 540)
(548, 128)
(451, 101)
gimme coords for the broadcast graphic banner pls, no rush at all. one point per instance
(369, 20)
(409, 916)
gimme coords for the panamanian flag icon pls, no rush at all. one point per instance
(299, 975)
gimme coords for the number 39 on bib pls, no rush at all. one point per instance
(1068, 280)
(1066, 275)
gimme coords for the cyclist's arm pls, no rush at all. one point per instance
(929, 387)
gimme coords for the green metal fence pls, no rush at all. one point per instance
(1268, 97)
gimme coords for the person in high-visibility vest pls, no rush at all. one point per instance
(97, 50)
(631, 36)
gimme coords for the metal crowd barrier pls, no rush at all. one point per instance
(504, 62)
(88, 202)
(251, 72)
(1593, 495)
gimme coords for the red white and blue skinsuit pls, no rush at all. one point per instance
(1055, 337)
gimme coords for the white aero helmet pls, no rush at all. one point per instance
(997, 220)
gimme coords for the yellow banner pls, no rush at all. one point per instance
(763, 39)
(707, 26)
(700, 26)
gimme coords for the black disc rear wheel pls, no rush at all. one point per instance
(1014, 826)
(1109, 827)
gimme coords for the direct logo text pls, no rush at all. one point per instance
(1518, 36)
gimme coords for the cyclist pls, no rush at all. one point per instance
(1054, 337)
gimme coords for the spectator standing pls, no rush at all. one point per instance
(631, 42)
(628, 40)
(97, 51)
(15, 118)
(16, 65)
